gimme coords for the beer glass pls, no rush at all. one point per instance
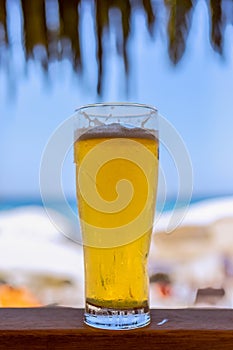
(116, 157)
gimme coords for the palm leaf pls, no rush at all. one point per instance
(216, 24)
(35, 30)
(150, 16)
(69, 23)
(179, 24)
(3, 24)
(125, 10)
(101, 22)
(64, 40)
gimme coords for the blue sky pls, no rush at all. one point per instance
(196, 97)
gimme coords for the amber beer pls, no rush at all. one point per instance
(116, 181)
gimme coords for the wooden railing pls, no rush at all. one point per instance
(63, 328)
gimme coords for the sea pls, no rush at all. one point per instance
(7, 204)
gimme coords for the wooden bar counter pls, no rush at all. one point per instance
(63, 328)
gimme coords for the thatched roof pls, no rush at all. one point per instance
(54, 24)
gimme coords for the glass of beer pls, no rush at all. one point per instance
(116, 157)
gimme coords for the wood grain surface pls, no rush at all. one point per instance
(63, 328)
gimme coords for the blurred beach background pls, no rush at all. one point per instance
(58, 55)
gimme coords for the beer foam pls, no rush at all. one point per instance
(116, 130)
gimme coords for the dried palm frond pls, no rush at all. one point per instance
(46, 43)
(3, 26)
(179, 24)
(35, 30)
(217, 24)
(150, 16)
(69, 24)
(4, 43)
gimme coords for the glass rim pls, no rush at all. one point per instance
(132, 105)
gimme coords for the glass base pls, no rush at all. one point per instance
(113, 319)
